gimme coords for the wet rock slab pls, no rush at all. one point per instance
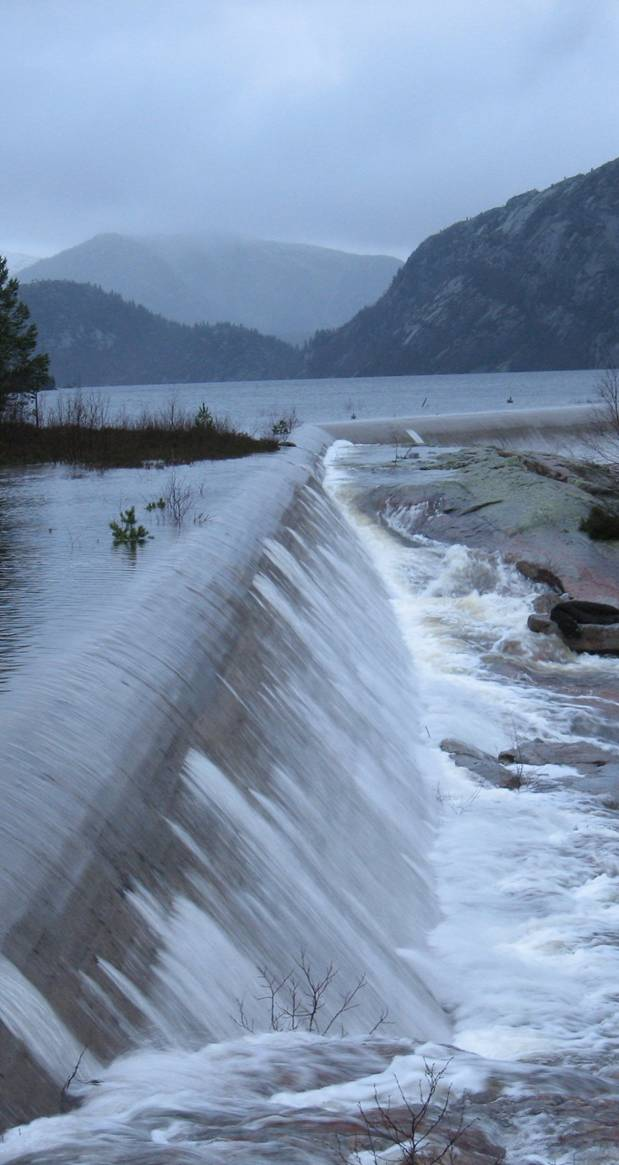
(555, 752)
(596, 770)
(605, 787)
(482, 764)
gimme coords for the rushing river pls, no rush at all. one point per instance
(223, 771)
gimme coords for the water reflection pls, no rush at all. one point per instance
(22, 551)
(61, 578)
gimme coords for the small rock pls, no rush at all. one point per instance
(540, 574)
(540, 623)
(460, 748)
(512, 647)
(481, 764)
(543, 604)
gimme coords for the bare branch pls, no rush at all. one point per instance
(382, 1019)
(301, 1000)
(347, 1004)
(65, 1100)
(424, 1133)
(242, 1019)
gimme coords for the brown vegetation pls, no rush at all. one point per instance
(80, 433)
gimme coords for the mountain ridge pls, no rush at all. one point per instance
(18, 260)
(283, 289)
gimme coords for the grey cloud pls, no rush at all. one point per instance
(352, 123)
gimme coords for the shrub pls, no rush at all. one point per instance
(304, 1000)
(126, 532)
(284, 425)
(426, 1132)
(601, 524)
(78, 431)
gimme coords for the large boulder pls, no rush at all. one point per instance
(592, 627)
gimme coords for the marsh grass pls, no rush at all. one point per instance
(80, 433)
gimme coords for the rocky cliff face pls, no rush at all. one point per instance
(533, 284)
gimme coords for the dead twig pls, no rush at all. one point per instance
(425, 1133)
(301, 1000)
(66, 1102)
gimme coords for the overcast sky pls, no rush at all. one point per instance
(365, 125)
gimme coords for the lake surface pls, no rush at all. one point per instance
(60, 576)
(255, 405)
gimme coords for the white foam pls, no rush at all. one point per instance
(526, 955)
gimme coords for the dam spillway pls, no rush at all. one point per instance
(240, 774)
(547, 424)
(221, 780)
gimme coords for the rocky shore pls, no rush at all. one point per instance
(527, 506)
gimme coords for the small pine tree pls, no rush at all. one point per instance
(127, 532)
(204, 418)
(20, 370)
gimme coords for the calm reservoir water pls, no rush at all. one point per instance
(255, 404)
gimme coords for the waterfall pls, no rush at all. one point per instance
(224, 783)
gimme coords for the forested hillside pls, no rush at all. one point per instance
(96, 337)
